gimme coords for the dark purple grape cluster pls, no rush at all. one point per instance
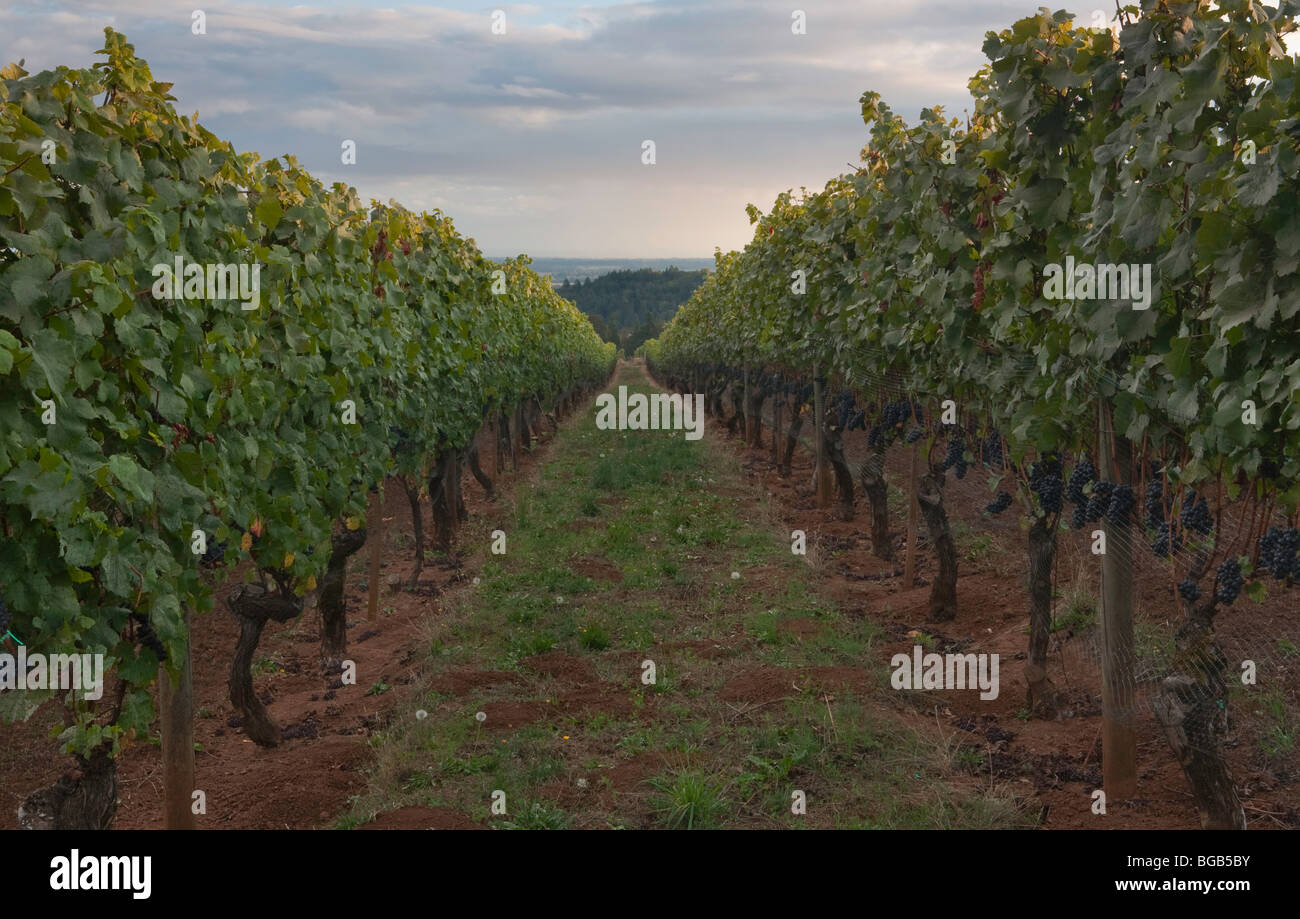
(402, 442)
(875, 437)
(1099, 500)
(214, 555)
(145, 634)
(1080, 516)
(1187, 587)
(844, 407)
(914, 435)
(1165, 544)
(1083, 474)
(1229, 581)
(954, 456)
(1277, 553)
(999, 504)
(896, 414)
(1195, 516)
(991, 451)
(1045, 482)
(1155, 505)
(1121, 504)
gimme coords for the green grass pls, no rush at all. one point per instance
(675, 518)
(689, 800)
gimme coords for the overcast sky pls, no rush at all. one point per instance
(532, 140)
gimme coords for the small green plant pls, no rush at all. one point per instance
(377, 688)
(537, 816)
(267, 665)
(1287, 648)
(689, 800)
(764, 627)
(593, 636)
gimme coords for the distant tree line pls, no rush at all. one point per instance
(627, 307)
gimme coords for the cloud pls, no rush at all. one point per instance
(532, 139)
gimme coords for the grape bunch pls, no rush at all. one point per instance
(954, 455)
(1277, 552)
(1080, 516)
(896, 413)
(1099, 500)
(875, 437)
(148, 637)
(402, 442)
(845, 406)
(1045, 482)
(1187, 587)
(1083, 474)
(1165, 544)
(999, 504)
(1195, 515)
(1229, 581)
(1121, 503)
(914, 435)
(991, 450)
(214, 555)
(1155, 505)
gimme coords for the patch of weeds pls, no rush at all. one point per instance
(689, 800)
(764, 627)
(593, 636)
(537, 816)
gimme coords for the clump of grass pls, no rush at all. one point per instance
(593, 636)
(537, 816)
(689, 800)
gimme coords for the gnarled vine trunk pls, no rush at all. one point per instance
(876, 488)
(755, 400)
(412, 488)
(1043, 699)
(833, 451)
(792, 437)
(471, 457)
(254, 606)
(943, 592)
(1191, 704)
(85, 799)
(333, 610)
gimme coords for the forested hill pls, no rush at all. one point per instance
(627, 303)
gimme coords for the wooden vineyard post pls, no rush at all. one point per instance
(822, 474)
(176, 724)
(375, 536)
(1118, 738)
(913, 513)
